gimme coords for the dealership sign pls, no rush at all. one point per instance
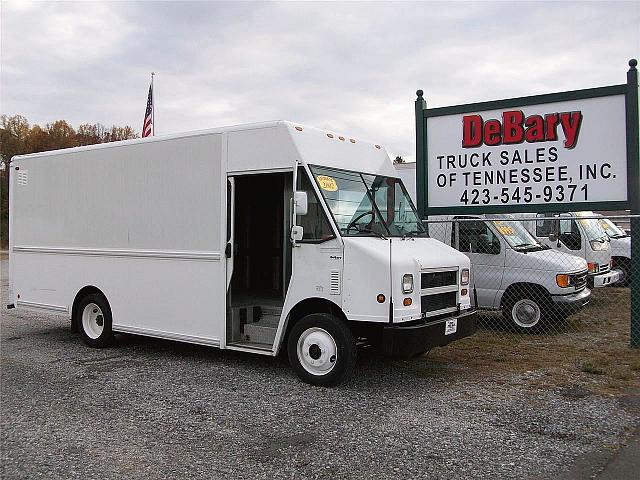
(541, 153)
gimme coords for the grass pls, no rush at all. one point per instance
(590, 348)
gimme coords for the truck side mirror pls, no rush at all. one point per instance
(553, 237)
(297, 232)
(302, 203)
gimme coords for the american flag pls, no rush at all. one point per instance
(148, 116)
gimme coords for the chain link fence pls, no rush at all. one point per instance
(546, 275)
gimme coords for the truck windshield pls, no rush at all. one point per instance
(611, 229)
(592, 228)
(368, 205)
(516, 235)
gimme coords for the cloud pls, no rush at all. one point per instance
(348, 67)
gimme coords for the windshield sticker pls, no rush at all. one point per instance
(327, 183)
(506, 230)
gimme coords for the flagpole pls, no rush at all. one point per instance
(153, 107)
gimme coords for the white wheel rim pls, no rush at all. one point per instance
(317, 351)
(526, 313)
(92, 321)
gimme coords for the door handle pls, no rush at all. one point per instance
(227, 250)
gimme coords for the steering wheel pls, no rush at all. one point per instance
(353, 222)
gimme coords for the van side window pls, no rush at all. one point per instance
(544, 226)
(315, 224)
(477, 237)
(570, 234)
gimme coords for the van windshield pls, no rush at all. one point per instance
(611, 229)
(592, 228)
(368, 205)
(516, 235)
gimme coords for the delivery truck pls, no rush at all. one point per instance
(260, 238)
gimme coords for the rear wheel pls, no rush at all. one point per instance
(93, 320)
(322, 350)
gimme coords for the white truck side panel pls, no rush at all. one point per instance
(143, 222)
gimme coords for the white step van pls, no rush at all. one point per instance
(620, 248)
(247, 238)
(511, 271)
(577, 233)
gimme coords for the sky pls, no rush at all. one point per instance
(352, 68)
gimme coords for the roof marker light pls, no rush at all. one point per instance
(330, 135)
(341, 138)
(352, 140)
(299, 129)
(377, 146)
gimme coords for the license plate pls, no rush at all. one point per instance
(451, 326)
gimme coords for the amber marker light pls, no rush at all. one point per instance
(407, 302)
(352, 140)
(341, 138)
(381, 298)
(330, 135)
(299, 129)
(563, 280)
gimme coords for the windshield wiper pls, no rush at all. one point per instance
(529, 246)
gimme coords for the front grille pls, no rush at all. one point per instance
(604, 268)
(438, 301)
(579, 280)
(439, 279)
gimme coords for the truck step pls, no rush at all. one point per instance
(271, 310)
(269, 320)
(257, 333)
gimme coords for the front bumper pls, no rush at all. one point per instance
(409, 340)
(604, 279)
(572, 302)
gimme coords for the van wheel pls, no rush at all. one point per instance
(93, 318)
(525, 312)
(322, 350)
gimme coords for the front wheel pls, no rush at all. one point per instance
(322, 350)
(525, 312)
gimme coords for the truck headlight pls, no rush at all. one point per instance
(464, 276)
(563, 280)
(407, 283)
(598, 246)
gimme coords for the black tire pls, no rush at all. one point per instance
(316, 327)
(624, 265)
(536, 300)
(105, 338)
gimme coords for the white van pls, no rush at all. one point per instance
(577, 233)
(620, 248)
(513, 272)
(248, 238)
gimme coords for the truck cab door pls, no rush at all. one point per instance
(484, 247)
(228, 251)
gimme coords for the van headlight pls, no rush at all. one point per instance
(464, 276)
(407, 283)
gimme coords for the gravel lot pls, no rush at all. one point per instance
(157, 409)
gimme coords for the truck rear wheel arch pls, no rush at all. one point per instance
(84, 291)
